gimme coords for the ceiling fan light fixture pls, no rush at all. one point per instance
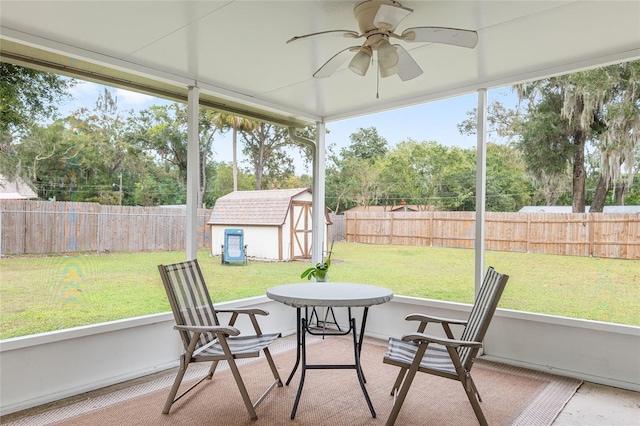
(360, 62)
(387, 72)
(387, 55)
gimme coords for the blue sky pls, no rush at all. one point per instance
(433, 121)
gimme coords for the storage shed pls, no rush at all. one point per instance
(276, 223)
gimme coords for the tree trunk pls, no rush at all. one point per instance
(202, 180)
(600, 196)
(549, 193)
(579, 174)
(260, 167)
(235, 159)
(619, 193)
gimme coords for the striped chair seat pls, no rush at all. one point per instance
(436, 357)
(240, 346)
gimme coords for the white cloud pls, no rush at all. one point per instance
(86, 94)
(127, 98)
(85, 90)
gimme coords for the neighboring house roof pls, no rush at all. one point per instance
(406, 208)
(267, 207)
(368, 209)
(568, 209)
(15, 190)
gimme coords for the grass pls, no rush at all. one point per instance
(39, 294)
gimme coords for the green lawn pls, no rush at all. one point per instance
(40, 294)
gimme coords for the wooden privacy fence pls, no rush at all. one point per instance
(59, 227)
(575, 234)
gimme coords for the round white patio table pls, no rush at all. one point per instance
(330, 295)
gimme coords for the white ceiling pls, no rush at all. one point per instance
(235, 51)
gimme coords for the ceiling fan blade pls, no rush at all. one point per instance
(389, 16)
(408, 68)
(454, 36)
(335, 62)
(343, 33)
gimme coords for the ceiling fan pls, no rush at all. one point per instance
(377, 20)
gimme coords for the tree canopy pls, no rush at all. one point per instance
(573, 139)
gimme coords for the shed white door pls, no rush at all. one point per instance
(301, 231)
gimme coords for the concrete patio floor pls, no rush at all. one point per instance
(598, 405)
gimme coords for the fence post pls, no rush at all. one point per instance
(431, 229)
(98, 233)
(529, 232)
(345, 233)
(591, 235)
(0, 234)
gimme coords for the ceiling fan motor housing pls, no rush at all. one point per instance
(366, 12)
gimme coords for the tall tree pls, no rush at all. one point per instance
(366, 144)
(236, 123)
(223, 183)
(353, 176)
(27, 96)
(409, 172)
(265, 147)
(353, 182)
(566, 115)
(508, 185)
(162, 130)
(80, 157)
(601, 106)
(618, 145)
(547, 148)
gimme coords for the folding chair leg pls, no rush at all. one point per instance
(397, 405)
(171, 398)
(411, 374)
(243, 389)
(174, 389)
(475, 389)
(398, 381)
(473, 399)
(274, 369)
(212, 370)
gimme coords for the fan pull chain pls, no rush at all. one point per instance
(378, 84)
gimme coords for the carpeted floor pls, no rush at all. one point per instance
(511, 396)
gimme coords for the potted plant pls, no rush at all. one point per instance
(319, 272)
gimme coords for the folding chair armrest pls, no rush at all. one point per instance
(217, 329)
(421, 337)
(251, 312)
(248, 311)
(428, 318)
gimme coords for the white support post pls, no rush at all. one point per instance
(481, 187)
(318, 220)
(193, 171)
